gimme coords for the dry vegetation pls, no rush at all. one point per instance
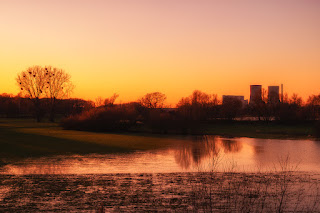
(176, 192)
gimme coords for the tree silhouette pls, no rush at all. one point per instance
(37, 82)
(153, 100)
(296, 100)
(32, 83)
(98, 102)
(58, 86)
(110, 101)
(231, 108)
(313, 105)
(198, 106)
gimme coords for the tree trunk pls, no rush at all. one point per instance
(52, 110)
(37, 109)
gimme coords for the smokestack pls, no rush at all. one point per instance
(281, 93)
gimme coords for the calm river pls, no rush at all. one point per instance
(185, 154)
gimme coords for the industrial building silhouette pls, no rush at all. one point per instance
(256, 95)
(273, 94)
(228, 98)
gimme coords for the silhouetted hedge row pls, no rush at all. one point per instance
(191, 112)
(102, 119)
(21, 107)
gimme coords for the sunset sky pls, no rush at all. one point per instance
(133, 47)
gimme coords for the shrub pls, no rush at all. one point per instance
(168, 122)
(111, 119)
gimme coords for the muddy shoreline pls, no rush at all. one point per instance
(178, 192)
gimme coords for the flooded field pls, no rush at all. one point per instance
(189, 174)
(176, 192)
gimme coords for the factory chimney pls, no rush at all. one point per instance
(281, 93)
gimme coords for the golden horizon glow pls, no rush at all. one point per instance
(174, 47)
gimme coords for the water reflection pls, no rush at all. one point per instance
(231, 145)
(187, 154)
(204, 148)
(303, 154)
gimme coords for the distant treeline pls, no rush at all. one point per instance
(199, 108)
(150, 111)
(21, 107)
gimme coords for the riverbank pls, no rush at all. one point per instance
(26, 138)
(178, 192)
(23, 138)
(250, 129)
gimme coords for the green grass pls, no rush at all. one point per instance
(251, 129)
(16, 143)
(24, 138)
(261, 130)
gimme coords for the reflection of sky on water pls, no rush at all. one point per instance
(303, 154)
(192, 154)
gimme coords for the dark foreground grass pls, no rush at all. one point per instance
(19, 144)
(261, 130)
(25, 138)
(252, 129)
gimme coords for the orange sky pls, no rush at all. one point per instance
(135, 47)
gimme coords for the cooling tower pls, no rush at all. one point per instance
(273, 94)
(255, 93)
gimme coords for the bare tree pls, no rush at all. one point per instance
(58, 86)
(98, 102)
(110, 101)
(153, 100)
(37, 82)
(313, 105)
(296, 100)
(32, 83)
(199, 105)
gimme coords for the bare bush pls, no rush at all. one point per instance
(113, 119)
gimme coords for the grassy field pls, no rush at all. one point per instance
(23, 138)
(251, 129)
(261, 130)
